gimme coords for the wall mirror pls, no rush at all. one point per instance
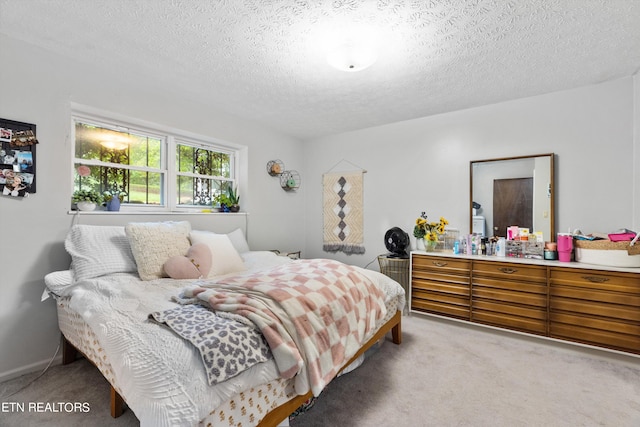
(513, 191)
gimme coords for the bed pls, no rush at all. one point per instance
(117, 308)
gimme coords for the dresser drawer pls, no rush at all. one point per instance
(444, 265)
(444, 309)
(593, 322)
(517, 286)
(625, 342)
(614, 312)
(440, 297)
(510, 271)
(440, 275)
(461, 289)
(511, 322)
(501, 295)
(586, 294)
(589, 279)
(509, 309)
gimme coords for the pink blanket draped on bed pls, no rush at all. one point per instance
(315, 314)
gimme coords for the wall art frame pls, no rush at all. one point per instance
(18, 143)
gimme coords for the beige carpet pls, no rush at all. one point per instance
(451, 374)
(444, 374)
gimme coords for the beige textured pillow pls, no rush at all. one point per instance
(153, 243)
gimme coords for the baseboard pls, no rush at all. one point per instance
(29, 369)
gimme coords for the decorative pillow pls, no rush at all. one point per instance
(195, 265)
(224, 257)
(153, 243)
(97, 250)
(239, 241)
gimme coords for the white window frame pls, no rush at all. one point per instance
(170, 138)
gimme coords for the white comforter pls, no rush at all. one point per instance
(161, 375)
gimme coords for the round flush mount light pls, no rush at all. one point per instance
(351, 46)
(351, 56)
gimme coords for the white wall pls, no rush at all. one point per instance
(38, 88)
(423, 164)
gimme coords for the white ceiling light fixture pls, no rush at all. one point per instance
(352, 49)
(351, 56)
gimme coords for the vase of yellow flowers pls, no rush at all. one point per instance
(427, 232)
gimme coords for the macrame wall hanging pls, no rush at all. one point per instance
(343, 210)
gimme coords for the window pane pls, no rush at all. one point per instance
(111, 147)
(197, 191)
(101, 178)
(145, 151)
(89, 182)
(185, 158)
(106, 145)
(145, 188)
(202, 161)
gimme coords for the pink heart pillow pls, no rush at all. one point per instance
(196, 264)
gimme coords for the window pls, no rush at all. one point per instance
(152, 169)
(201, 173)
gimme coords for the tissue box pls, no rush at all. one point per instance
(605, 252)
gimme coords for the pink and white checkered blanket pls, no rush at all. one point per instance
(315, 314)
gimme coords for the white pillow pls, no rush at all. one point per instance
(59, 282)
(224, 257)
(153, 243)
(238, 240)
(97, 250)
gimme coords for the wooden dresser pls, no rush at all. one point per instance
(589, 304)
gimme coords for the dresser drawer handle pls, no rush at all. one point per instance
(439, 263)
(596, 279)
(508, 270)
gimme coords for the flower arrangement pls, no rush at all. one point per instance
(429, 230)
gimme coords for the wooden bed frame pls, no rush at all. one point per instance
(279, 414)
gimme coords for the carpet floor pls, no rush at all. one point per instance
(443, 374)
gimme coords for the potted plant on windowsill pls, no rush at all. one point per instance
(229, 201)
(86, 200)
(112, 201)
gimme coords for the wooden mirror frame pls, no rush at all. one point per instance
(551, 189)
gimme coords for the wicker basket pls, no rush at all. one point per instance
(604, 245)
(606, 252)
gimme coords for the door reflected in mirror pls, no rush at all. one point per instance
(513, 191)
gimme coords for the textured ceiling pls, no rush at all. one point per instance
(265, 59)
